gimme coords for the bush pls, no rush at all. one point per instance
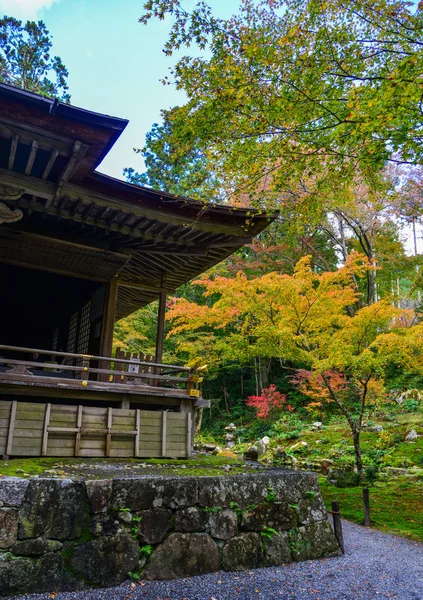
(411, 405)
(371, 474)
(345, 478)
(291, 435)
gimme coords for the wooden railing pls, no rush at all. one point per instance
(128, 374)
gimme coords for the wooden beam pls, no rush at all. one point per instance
(143, 286)
(47, 191)
(28, 133)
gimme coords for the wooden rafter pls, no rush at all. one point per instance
(12, 154)
(31, 157)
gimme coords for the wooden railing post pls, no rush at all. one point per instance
(85, 371)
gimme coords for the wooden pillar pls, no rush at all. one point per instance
(161, 317)
(109, 317)
(186, 406)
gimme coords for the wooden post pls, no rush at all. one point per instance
(11, 430)
(45, 430)
(78, 433)
(109, 317)
(109, 431)
(189, 434)
(137, 435)
(164, 433)
(337, 525)
(366, 502)
(161, 318)
(185, 406)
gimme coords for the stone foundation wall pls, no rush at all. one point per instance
(66, 535)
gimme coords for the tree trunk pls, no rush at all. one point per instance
(371, 285)
(199, 420)
(357, 452)
(264, 367)
(225, 397)
(256, 375)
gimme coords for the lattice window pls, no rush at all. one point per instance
(84, 329)
(73, 333)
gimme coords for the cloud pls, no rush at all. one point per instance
(24, 9)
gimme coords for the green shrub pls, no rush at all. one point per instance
(371, 474)
(411, 405)
(345, 479)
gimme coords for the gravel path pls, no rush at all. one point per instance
(376, 565)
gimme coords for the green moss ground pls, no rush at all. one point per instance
(85, 467)
(396, 506)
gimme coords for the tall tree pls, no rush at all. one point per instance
(26, 60)
(301, 92)
(174, 168)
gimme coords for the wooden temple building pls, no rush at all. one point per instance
(78, 251)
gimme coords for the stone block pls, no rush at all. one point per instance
(105, 561)
(8, 527)
(313, 541)
(311, 509)
(190, 519)
(37, 546)
(99, 494)
(291, 486)
(154, 525)
(104, 524)
(223, 524)
(51, 573)
(183, 555)
(157, 492)
(12, 491)
(243, 552)
(277, 515)
(242, 489)
(16, 574)
(53, 508)
(277, 549)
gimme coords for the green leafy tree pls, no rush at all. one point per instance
(174, 168)
(339, 357)
(301, 94)
(26, 60)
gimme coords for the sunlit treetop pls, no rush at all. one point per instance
(300, 93)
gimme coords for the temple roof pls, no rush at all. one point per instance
(70, 219)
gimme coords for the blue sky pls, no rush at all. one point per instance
(115, 63)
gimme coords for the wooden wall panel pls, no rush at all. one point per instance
(28, 429)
